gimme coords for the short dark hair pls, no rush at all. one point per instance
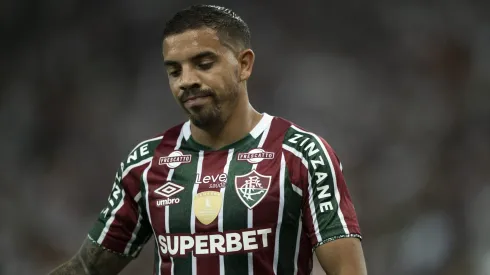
(228, 24)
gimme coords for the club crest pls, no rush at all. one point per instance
(252, 187)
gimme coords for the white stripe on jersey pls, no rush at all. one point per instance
(129, 168)
(167, 229)
(310, 190)
(193, 215)
(187, 130)
(220, 215)
(262, 127)
(298, 238)
(167, 209)
(281, 211)
(145, 182)
(111, 219)
(136, 199)
(135, 232)
(334, 177)
(297, 190)
(303, 161)
(296, 153)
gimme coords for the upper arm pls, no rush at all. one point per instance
(328, 212)
(331, 219)
(94, 260)
(122, 226)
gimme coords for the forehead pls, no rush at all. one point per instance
(184, 45)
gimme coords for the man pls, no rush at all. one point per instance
(231, 191)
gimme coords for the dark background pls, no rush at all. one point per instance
(400, 89)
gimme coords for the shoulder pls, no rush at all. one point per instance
(295, 136)
(306, 144)
(144, 150)
(146, 147)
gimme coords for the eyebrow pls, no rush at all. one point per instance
(198, 56)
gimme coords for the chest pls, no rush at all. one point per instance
(191, 192)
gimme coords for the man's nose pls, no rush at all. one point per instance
(189, 79)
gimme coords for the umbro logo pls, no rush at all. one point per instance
(169, 189)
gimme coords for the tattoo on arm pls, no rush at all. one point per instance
(93, 260)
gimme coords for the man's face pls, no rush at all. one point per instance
(203, 75)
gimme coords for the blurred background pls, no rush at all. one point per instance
(400, 89)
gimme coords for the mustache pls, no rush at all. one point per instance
(194, 93)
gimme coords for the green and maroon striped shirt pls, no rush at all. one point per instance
(258, 206)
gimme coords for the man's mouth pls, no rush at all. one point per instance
(196, 101)
(194, 97)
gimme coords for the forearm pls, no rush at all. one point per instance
(71, 267)
(92, 260)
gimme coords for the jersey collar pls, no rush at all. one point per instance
(263, 124)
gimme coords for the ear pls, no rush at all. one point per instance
(246, 61)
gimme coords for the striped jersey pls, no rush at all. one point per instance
(258, 206)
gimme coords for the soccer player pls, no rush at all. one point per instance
(230, 191)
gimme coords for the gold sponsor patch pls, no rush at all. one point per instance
(207, 206)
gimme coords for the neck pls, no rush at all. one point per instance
(237, 125)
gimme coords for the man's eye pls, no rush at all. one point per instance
(205, 66)
(174, 73)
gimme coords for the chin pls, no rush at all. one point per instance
(205, 120)
(206, 116)
(201, 123)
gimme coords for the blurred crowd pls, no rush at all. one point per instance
(400, 89)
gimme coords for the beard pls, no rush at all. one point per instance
(213, 114)
(206, 116)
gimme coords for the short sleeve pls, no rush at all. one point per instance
(122, 226)
(328, 211)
